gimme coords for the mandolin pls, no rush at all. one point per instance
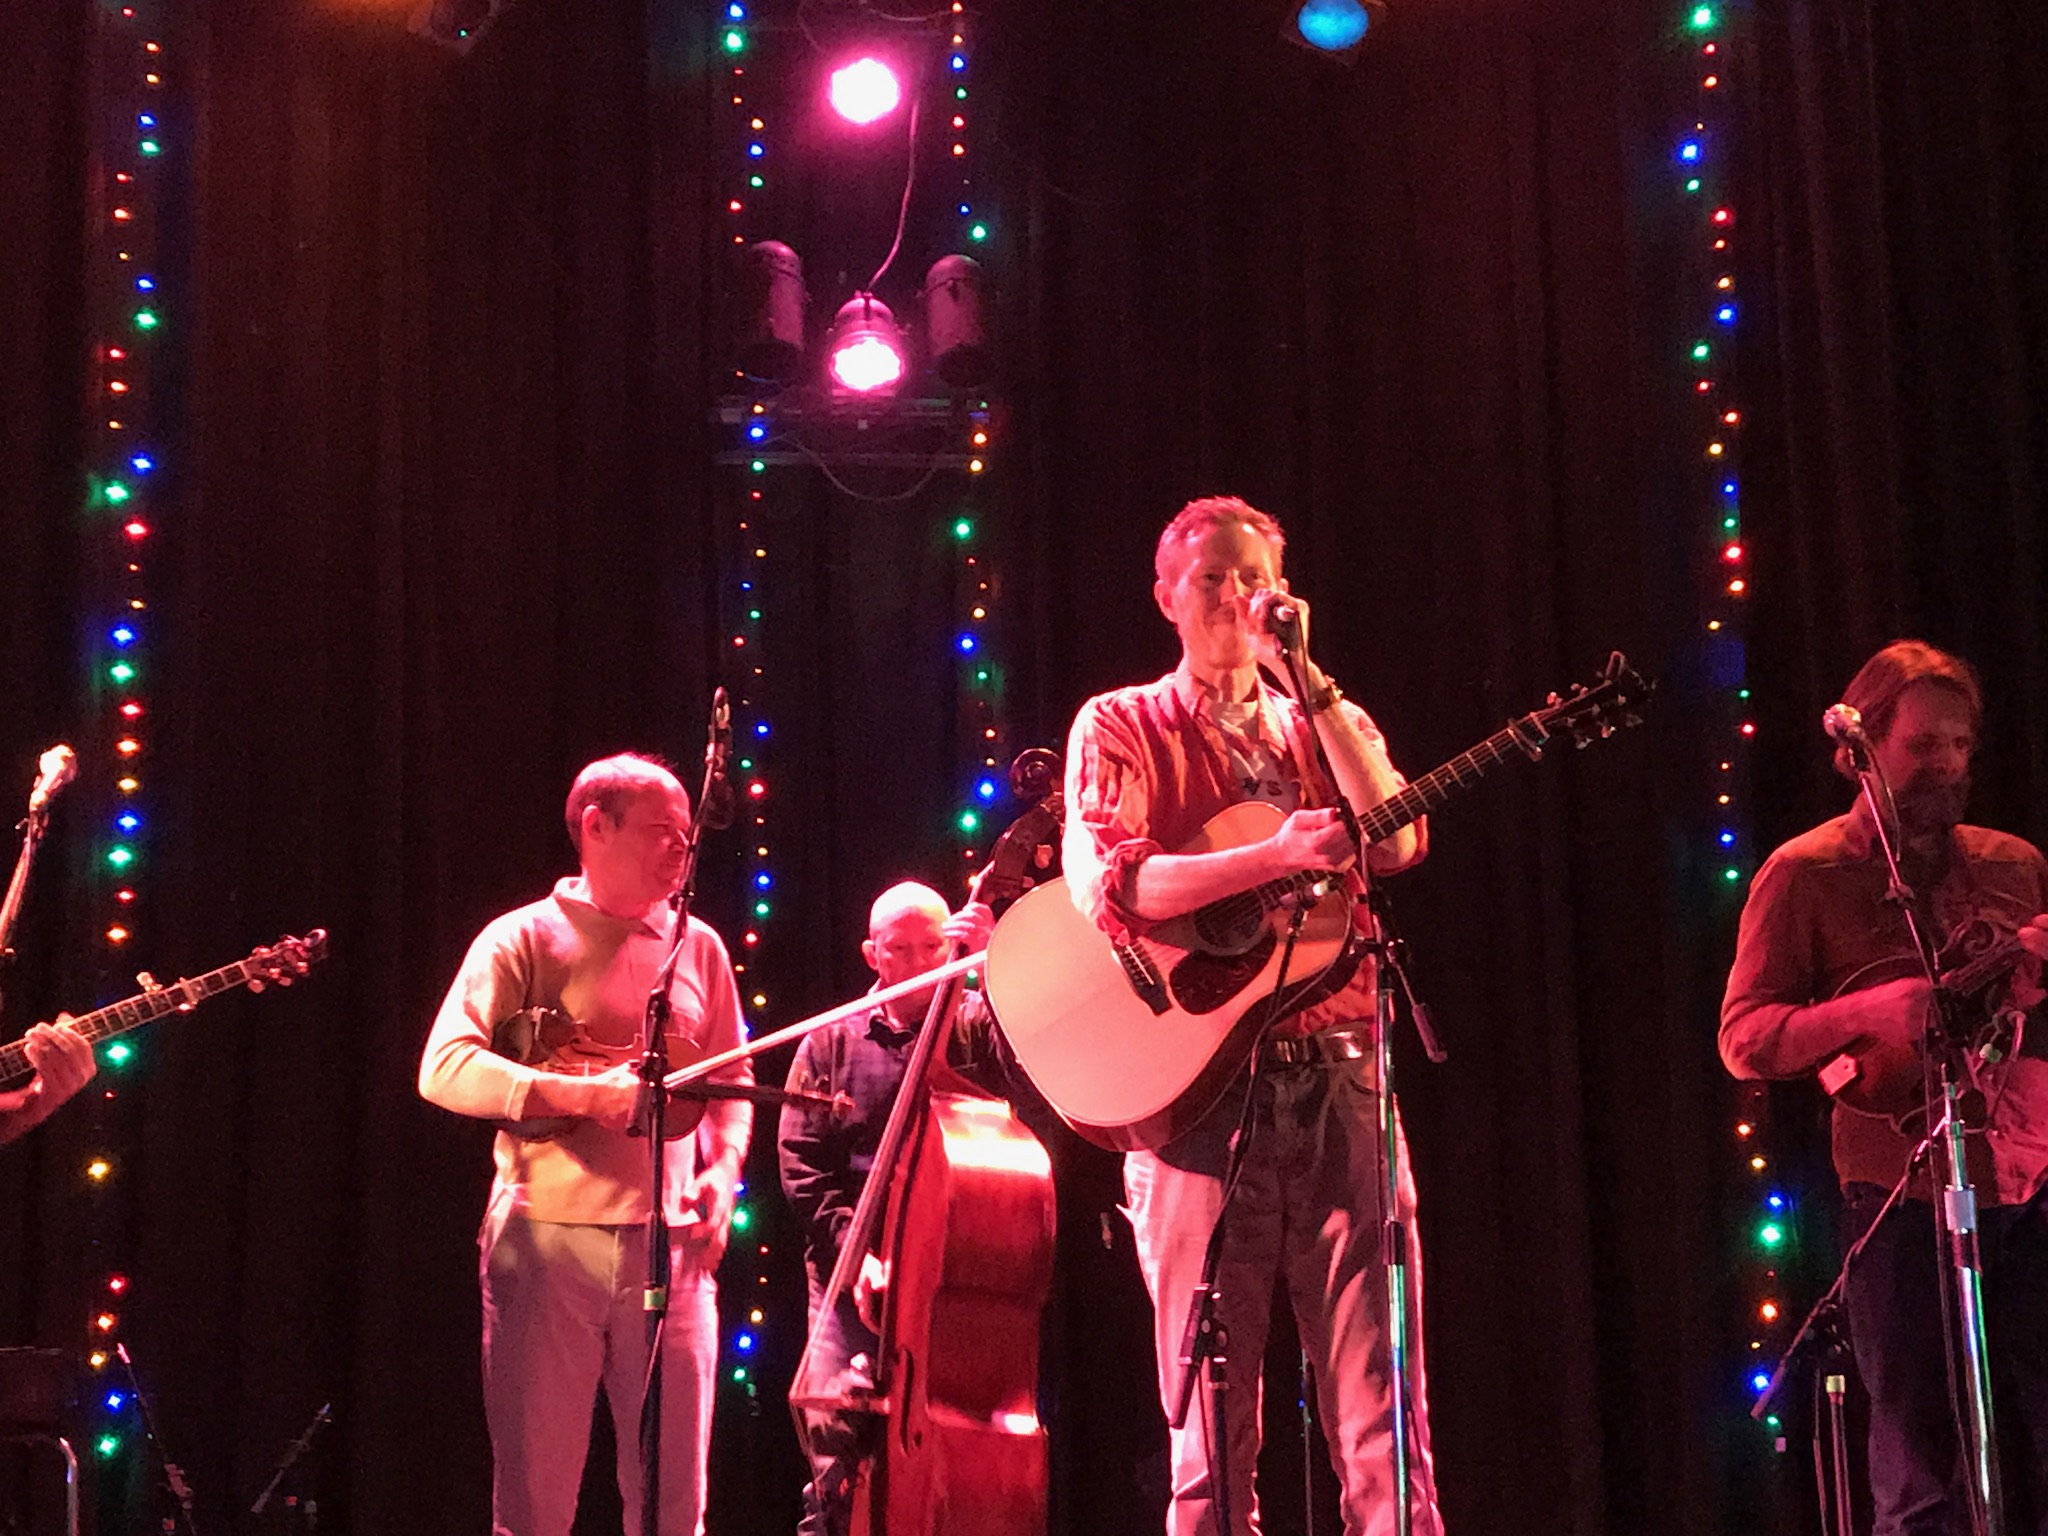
(1979, 1016)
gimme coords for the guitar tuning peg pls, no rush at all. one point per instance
(147, 982)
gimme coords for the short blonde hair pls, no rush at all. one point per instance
(1194, 522)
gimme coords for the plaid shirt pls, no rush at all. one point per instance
(1147, 766)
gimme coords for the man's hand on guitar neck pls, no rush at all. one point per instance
(608, 1097)
(64, 1063)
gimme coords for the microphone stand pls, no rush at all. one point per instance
(173, 1474)
(651, 1118)
(293, 1452)
(33, 826)
(1390, 971)
(1957, 1209)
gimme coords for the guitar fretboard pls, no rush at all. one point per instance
(1524, 737)
(178, 996)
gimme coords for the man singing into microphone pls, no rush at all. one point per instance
(1824, 970)
(1147, 766)
(564, 1257)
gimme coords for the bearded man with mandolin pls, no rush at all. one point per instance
(564, 1236)
(1148, 768)
(1826, 981)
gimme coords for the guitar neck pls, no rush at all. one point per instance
(1523, 737)
(1520, 738)
(134, 1012)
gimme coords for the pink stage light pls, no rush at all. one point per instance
(866, 350)
(865, 91)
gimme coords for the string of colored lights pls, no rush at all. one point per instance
(126, 321)
(748, 568)
(979, 672)
(1705, 172)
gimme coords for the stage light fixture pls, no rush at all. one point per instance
(865, 91)
(955, 336)
(1334, 28)
(771, 304)
(865, 353)
(457, 24)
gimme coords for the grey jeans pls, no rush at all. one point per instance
(1307, 1215)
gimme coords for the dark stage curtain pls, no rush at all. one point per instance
(443, 525)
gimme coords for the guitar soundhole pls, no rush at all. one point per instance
(1202, 983)
(1230, 927)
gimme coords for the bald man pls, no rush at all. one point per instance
(825, 1158)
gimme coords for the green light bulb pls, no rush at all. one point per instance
(1700, 351)
(963, 529)
(1702, 17)
(116, 493)
(119, 1053)
(735, 41)
(1770, 1234)
(969, 821)
(108, 1445)
(120, 857)
(742, 1218)
(121, 672)
(150, 147)
(977, 232)
(1731, 875)
(145, 319)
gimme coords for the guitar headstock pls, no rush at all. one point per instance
(1594, 711)
(287, 960)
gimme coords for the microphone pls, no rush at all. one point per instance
(1278, 617)
(718, 810)
(55, 768)
(1844, 723)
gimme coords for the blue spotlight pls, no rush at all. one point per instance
(1334, 27)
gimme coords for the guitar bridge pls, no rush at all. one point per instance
(1143, 977)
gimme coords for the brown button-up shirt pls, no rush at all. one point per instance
(1817, 924)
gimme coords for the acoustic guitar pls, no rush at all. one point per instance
(1133, 1043)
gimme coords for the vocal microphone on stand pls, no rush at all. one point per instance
(1280, 618)
(718, 810)
(54, 769)
(1844, 725)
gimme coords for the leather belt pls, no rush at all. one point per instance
(1341, 1042)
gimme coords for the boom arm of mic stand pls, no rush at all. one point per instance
(682, 1077)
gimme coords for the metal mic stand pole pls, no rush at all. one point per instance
(1957, 1208)
(290, 1459)
(1389, 972)
(173, 1474)
(32, 827)
(652, 1121)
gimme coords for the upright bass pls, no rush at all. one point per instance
(967, 1238)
